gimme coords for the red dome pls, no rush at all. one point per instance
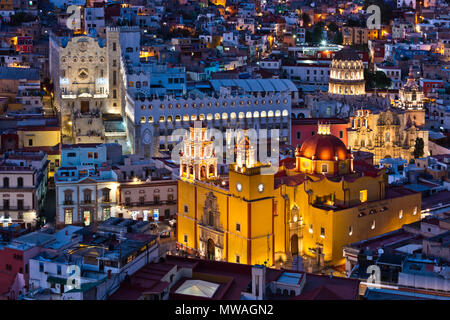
(324, 147)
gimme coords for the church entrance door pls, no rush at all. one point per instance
(211, 250)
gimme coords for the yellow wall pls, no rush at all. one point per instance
(42, 138)
(270, 235)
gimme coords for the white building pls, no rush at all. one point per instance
(255, 103)
(315, 73)
(23, 186)
(86, 185)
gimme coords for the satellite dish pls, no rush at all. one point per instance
(380, 251)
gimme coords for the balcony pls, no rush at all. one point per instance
(68, 202)
(87, 202)
(15, 208)
(149, 203)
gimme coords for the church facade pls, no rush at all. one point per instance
(312, 209)
(391, 133)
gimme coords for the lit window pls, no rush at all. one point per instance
(143, 119)
(400, 214)
(373, 225)
(324, 168)
(415, 211)
(322, 232)
(363, 195)
(350, 230)
(311, 228)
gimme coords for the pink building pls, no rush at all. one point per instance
(301, 129)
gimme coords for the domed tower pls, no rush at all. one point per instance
(347, 74)
(411, 94)
(324, 153)
(411, 99)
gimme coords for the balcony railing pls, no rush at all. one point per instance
(68, 202)
(149, 203)
(15, 208)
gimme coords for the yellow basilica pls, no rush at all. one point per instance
(312, 208)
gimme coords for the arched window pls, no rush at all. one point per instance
(256, 114)
(169, 118)
(185, 117)
(142, 119)
(277, 113)
(161, 119)
(177, 118)
(248, 115)
(241, 115)
(263, 114)
(193, 117)
(285, 113)
(270, 114)
(217, 116)
(209, 116)
(233, 115)
(201, 117)
(224, 116)
(150, 119)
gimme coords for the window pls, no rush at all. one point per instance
(68, 216)
(238, 227)
(322, 232)
(299, 135)
(373, 225)
(8, 267)
(185, 238)
(324, 168)
(341, 134)
(58, 270)
(90, 155)
(30, 142)
(20, 204)
(238, 259)
(415, 211)
(114, 46)
(350, 230)
(400, 214)
(311, 228)
(363, 195)
(5, 182)
(186, 209)
(41, 267)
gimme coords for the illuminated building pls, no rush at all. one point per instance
(346, 74)
(23, 186)
(314, 209)
(86, 187)
(411, 95)
(388, 134)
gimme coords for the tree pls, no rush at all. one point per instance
(418, 148)
(338, 38)
(306, 19)
(382, 81)
(377, 80)
(333, 27)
